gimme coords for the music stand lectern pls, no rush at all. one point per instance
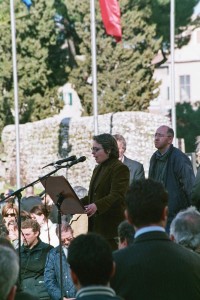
(66, 201)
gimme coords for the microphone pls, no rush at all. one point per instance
(59, 162)
(76, 161)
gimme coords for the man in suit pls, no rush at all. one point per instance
(154, 267)
(136, 169)
(91, 263)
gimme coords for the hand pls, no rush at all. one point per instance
(90, 209)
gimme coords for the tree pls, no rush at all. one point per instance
(188, 126)
(161, 17)
(41, 61)
(124, 70)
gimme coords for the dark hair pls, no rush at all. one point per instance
(145, 202)
(126, 232)
(108, 143)
(90, 257)
(40, 210)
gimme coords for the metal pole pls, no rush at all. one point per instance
(172, 90)
(15, 81)
(94, 66)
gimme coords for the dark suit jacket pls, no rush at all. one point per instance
(136, 169)
(155, 268)
(196, 190)
(108, 191)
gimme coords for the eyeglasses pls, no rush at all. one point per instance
(95, 149)
(11, 215)
(67, 239)
(160, 135)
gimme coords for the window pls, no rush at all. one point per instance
(184, 88)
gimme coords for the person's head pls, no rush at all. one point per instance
(90, 260)
(9, 270)
(29, 191)
(185, 229)
(121, 143)
(163, 138)
(24, 215)
(126, 233)
(66, 234)
(80, 191)
(9, 212)
(8, 192)
(146, 203)
(30, 232)
(40, 213)
(104, 147)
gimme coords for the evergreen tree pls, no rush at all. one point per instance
(188, 125)
(124, 70)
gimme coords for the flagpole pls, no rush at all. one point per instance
(172, 90)
(15, 81)
(94, 66)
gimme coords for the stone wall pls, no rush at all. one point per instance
(48, 140)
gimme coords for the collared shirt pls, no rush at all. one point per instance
(95, 290)
(148, 229)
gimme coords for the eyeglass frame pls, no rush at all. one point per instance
(96, 149)
(160, 135)
(11, 215)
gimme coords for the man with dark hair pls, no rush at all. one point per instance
(173, 168)
(52, 272)
(91, 264)
(33, 259)
(126, 233)
(136, 168)
(185, 229)
(154, 267)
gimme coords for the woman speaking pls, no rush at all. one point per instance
(108, 186)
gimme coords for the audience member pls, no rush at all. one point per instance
(173, 168)
(53, 210)
(154, 267)
(9, 270)
(92, 266)
(33, 258)
(185, 229)
(9, 213)
(52, 275)
(105, 202)
(126, 233)
(30, 199)
(48, 235)
(196, 191)
(136, 168)
(79, 222)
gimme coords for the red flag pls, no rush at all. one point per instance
(110, 13)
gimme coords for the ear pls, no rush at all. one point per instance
(172, 238)
(113, 270)
(165, 213)
(74, 277)
(127, 216)
(11, 295)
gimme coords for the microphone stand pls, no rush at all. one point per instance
(18, 194)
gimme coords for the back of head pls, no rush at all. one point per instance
(90, 258)
(145, 202)
(185, 228)
(9, 269)
(126, 232)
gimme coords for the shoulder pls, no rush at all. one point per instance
(45, 246)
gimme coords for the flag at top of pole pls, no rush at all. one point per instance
(28, 3)
(110, 13)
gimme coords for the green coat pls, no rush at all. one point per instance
(108, 193)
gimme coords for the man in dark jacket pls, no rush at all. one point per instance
(173, 168)
(33, 258)
(154, 267)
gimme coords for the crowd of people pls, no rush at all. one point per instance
(140, 237)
